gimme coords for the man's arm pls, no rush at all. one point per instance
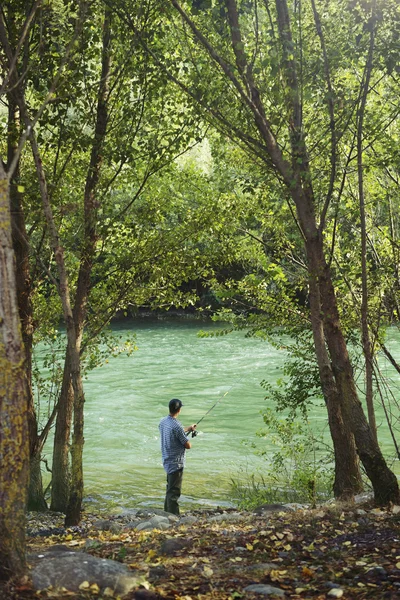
(190, 428)
(188, 445)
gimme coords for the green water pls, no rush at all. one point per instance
(126, 398)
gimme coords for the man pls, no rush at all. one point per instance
(174, 443)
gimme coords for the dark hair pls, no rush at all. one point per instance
(174, 405)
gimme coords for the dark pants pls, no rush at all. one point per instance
(174, 486)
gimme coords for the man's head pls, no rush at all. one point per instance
(175, 406)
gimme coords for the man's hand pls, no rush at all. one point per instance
(191, 428)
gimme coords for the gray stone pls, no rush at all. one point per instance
(364, 497)
(71, 569)
(189, 520)
(144, 526)
(269, 508)
(174, 545)
(157, 520)
(265, 590)
(293, 506)
(103, 524)
(226, 517)
(131, 525)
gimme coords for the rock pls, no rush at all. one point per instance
(149, 525)
(294, 506)
(226, 517)
(364, 497)
(360, 512)
(189, 520)
(158, 520)
(174, 545)
(106, 525)
(71, 569)
(335, 593)
(395, 509)
(268, 508)
(265, 590)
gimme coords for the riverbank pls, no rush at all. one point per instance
(333, 551)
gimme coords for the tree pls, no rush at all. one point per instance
(274, 123)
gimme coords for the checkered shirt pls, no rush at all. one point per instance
(173, 440)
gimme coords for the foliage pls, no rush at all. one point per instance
(300, 469)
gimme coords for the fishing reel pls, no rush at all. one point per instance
(194, 433)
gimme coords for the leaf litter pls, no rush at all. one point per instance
(343, 551)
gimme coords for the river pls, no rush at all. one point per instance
(127, 397)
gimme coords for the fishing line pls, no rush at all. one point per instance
(194, 432)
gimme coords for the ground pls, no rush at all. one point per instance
(337, 551)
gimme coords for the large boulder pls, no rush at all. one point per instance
(69, 570)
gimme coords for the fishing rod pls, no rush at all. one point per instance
(194, 432)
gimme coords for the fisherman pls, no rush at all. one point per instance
(174, 443)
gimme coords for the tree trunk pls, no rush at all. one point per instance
(383, 480)
(14, 447)
(348, 480)
(61, 475)
(365, 333)
(73, 514)
(36, 500)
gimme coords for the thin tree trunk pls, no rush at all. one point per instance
(366, 339)
(86, 265)
(14, 445)
(61, 475)
(36, 500)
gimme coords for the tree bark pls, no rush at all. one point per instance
(61, 474)
(384, 482)
(348, 479)
(14, 446)
(297, 178)
(36, 500)
(365, 332)
(86, 265)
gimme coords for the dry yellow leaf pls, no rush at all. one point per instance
(85, 585)
(249, 547)
(208, 572)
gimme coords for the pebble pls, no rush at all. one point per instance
(265, 590)
(335, 593)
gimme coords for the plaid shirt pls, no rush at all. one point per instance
(173, 440)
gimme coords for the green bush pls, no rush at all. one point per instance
(296, 471)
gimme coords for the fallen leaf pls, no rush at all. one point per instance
(85, 585)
